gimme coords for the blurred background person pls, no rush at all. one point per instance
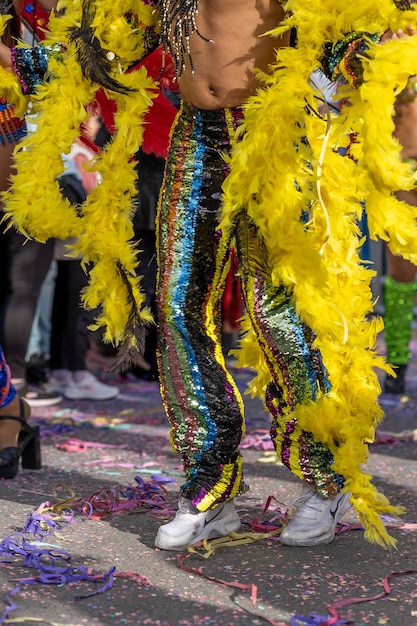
(69, 344)
(24, 263)
(400, 283)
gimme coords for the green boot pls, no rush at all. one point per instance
(399, 301)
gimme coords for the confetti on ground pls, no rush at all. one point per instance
(96, 514)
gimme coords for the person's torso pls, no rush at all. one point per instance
(220, 69)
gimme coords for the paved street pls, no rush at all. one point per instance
(77, 536)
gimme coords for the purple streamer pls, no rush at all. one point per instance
(315, 620)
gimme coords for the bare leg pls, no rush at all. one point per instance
(9, 429)
(9, 405)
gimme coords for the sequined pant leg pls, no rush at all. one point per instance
(7, 391)
(201, 400)
(296, 368)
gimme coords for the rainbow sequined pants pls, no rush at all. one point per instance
(201, 399)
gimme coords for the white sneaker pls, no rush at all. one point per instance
(315, 518)
(58, 381)
(85, 386)
(37, 396)
(191, 525)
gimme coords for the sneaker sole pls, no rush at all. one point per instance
(85, 396)
(322, 539)
(51, 402)
(59, 390)
(228, 525)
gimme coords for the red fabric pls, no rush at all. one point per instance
(88, 142)
(35, 18)
(232, 302)
(106, 108)
(159, 119)
(161, 115)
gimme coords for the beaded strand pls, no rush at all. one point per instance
(5, 6)
(178, 25)
(12, 129)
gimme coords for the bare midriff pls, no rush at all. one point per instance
(226, 66)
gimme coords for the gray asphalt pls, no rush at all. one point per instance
(256, 583)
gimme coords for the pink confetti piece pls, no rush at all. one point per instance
(199, 572)
(333, 609)
(78, 445)
(259, 525)
(257, 440)
(141, 580)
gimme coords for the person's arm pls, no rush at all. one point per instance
(28, 63)
(89, 178)
(48, 4)
(18, 6)
(6, 57)
(31, 63)
(344, 60)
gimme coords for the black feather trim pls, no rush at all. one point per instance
(133, 342)
(6, 7)
(92, 58)
(403, 5)
(253, 250)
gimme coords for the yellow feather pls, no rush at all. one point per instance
(320, 262)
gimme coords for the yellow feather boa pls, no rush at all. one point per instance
(321, 264)
(34, 202)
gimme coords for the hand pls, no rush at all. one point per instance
(399, 34)
(6, 57)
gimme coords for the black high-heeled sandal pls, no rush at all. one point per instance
(28, 447)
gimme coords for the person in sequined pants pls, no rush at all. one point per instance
(201, 399)
(219, 56)
(24, 262)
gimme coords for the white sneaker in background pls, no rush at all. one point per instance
(191, 525)
(38, 396)
(58, 381)
(83, 385)
(315, 518)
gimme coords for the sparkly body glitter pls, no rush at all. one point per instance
(201, 399)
